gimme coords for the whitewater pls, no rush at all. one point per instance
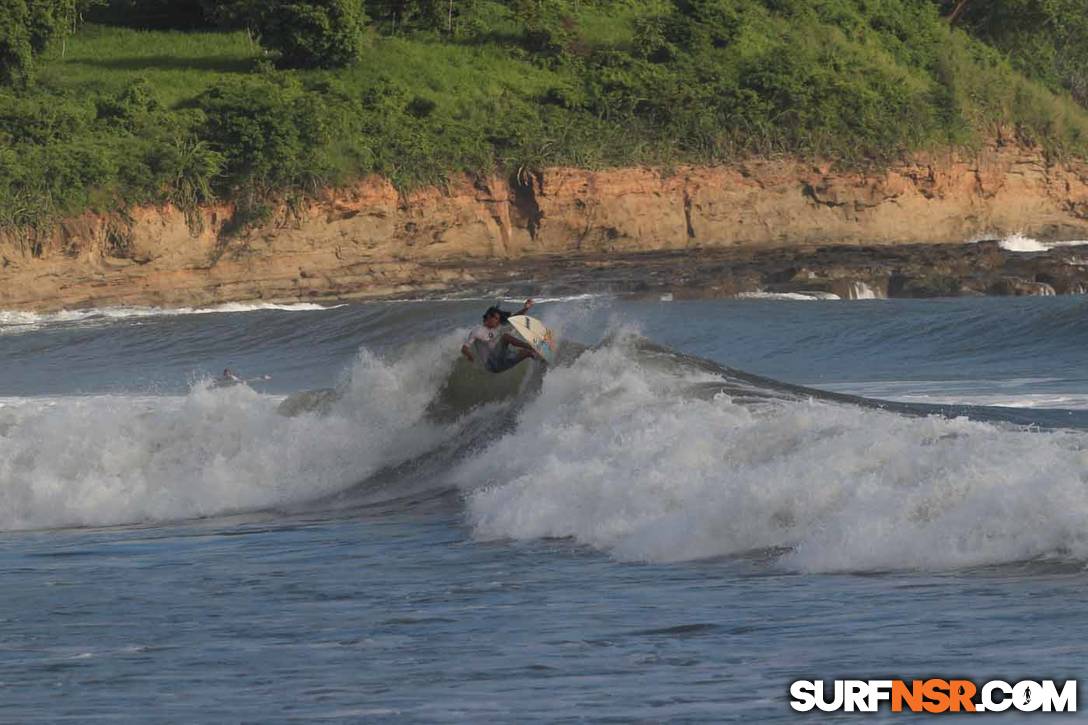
(701, 502)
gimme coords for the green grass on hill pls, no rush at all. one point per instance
(178, 65)
(126, 116)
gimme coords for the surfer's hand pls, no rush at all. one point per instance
(528, 304)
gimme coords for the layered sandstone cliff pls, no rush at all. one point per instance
(370, 241)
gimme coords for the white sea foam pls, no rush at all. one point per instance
(501, 298)
(1025, 244)
(862, 291)
(1021, 243)
(115, 459)
(615, 455)
(1061, 401)
(21, 321)
(19, 318)
(858, 291)
(1007, 393)
(561, 298)
(796, 296)
(615, 452)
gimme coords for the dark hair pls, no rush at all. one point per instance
(503, 314)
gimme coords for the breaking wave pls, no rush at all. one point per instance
(107, 460)
(20, 321)
(629, 448)
(1025, 244)
(648, 463)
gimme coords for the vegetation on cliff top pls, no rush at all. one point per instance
(193, 100)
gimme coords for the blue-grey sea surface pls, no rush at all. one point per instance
(702, 502)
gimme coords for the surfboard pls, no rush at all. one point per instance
(537, 334)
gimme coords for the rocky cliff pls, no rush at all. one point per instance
(369, 240)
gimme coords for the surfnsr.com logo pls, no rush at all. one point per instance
(933, 696)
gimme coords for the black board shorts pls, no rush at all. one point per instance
(502, 361)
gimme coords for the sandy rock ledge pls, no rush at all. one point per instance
(720, 230)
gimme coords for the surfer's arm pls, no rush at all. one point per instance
(525, 308)
(467, 352)
(511, 340)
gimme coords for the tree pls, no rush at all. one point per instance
(314, 34)
(548, 29)
(26, 29)
(16, 51)
(152, 14)
(456, 18)
(1046, 39)
(233, 14)
(957, 9)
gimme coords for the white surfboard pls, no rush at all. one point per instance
(537, 334)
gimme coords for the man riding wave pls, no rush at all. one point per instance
(491, 345)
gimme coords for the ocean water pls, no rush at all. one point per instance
(701, 503)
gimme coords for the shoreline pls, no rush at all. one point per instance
(974, 269)
(779, 226)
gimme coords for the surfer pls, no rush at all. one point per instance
(227, 379)
(492, 345)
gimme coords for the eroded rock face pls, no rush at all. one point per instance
(370, 241)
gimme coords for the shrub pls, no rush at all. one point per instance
(315, 34)
(268, 133)
(26, 29)
(548, 28)
(40, 119)
(133, 107)
(1046, 39)
(16, 51)
(128, 116)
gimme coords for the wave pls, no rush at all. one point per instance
(622, 455)
(34, 320)
(504, 298)
(628, 447)
(1028, 245)
(944, 393)
(856, 291)
(107, 460)
(966, 339)
(790, 296)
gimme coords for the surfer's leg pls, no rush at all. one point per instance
(499, 364)
(519, 357)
